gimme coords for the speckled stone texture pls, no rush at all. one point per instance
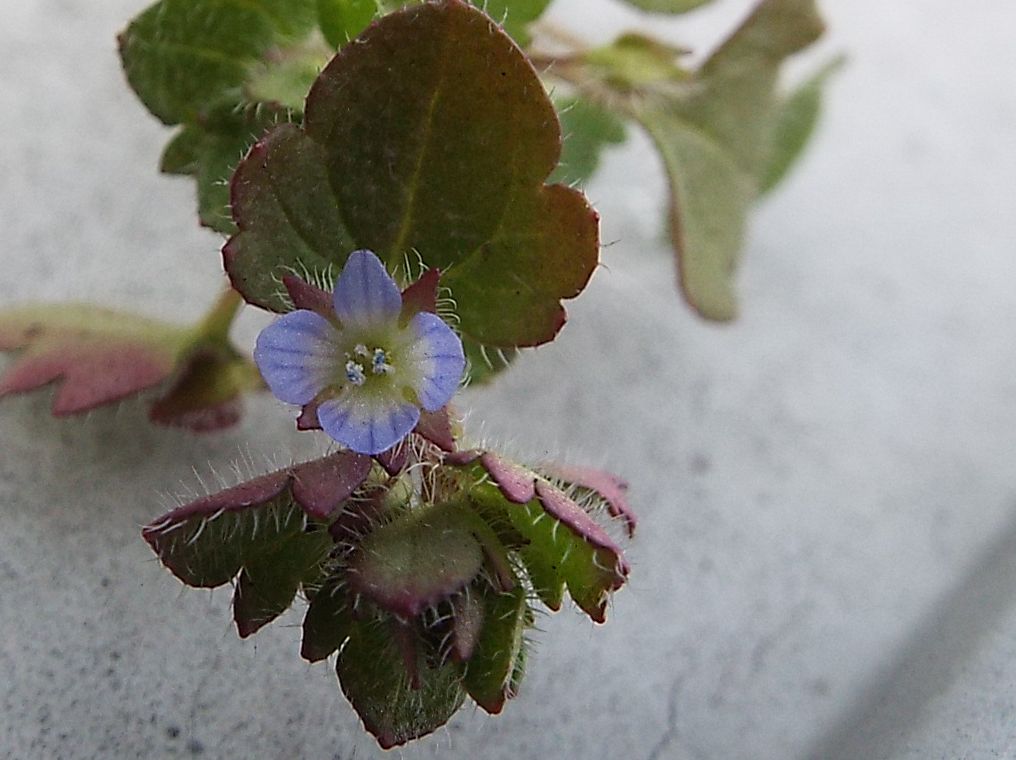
(827, 487)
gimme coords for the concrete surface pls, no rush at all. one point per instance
(827, 561)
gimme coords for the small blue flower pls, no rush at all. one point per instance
(369, 371)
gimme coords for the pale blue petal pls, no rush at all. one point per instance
(438, 360)
(367, 426)
(298, 355)
(365, 294)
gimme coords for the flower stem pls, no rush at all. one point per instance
(217, 322)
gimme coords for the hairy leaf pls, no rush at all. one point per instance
(488, 678)
(186, 57)
(565, 545)
(431, 136)
(206, 542)
(611, 488)
(270, 578)
(328, 622)
(374, 677)
(206, 390)
(225, 71)
(422, 558)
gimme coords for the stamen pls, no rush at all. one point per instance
(379, 362)
(355, 373)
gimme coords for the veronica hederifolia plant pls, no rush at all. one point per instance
(390, 178)
(224, 74)
(422, 563)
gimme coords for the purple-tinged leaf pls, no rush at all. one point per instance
(562, 508)
(515, 482)
(566, 546)
(206, 542)
(437, 428)
(96, 356)
(611, 488)
(373, 676)
(321, 485)
(308, 419)
(309, 297)
(206, 391)
(394, 460)
(421, 295)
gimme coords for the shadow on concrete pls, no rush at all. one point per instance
(894, 707)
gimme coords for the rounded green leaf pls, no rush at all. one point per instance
(430, 137)
(417, 561)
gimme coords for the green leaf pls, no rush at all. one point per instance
(489, 672)
(634, 61)
(211, 151)
(184, 57)
(517, 15)
(182, 153)
(668, 6)
(210, 548)
(373, 676)
(588, 130)
(710, 196)
(328, 623)
(225, 70)
(714, 129)
(417, 561)
(797, 117)
(343, 20)
(564, 546)
(270, 578)
(431, 136)
(206, 542)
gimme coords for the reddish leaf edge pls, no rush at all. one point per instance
(318, 486)
(520, 485)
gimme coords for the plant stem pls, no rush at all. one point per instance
(219, 319)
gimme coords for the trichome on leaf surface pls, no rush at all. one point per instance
(391, 178)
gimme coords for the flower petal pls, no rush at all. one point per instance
(438, 360)
(298, 355)
(365, 294)
(367, 426)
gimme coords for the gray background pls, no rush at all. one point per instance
(827, 560)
